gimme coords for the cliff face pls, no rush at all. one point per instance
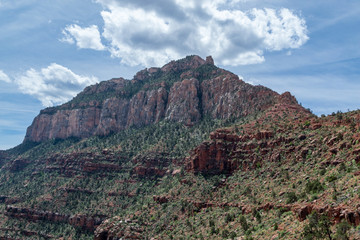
(280, 160)
(227, 151)
(183, 91)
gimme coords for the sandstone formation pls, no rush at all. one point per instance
(150, 165)
(184, 91)
(86, 222)
(228, 150)
(82, 163)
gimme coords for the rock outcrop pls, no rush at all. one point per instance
(350, 214)
(184, 91)
(150, 165)
(184, 103)
(82, 163)
(86, 222)
(16, 165)
(117, 228)
(230, 149)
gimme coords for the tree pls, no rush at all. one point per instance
(244, 224)
(341, 231)
(318, 227)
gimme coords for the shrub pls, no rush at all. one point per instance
(232, 235)
(331, 178)
(273, 194)
(342, 167)
(214, 230)
(247, 191)
(341, 231)
(258, 216)
(276, 227)
(229, 217)
(314, 197)
(353, 127)
(225, 233)
(211, 223)
(291, 197)
(244, 224)
(281, 211)
(314, 186)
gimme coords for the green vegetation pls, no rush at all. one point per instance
(319, 227)
(314, 186)
(291, 197)
(256, 202)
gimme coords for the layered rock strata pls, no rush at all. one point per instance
(182, 91)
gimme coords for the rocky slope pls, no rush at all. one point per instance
(195, 153)
(184, 91)
(227, 151)
(263, 178)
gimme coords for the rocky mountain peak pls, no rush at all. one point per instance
(186, 91)
(190, 62)
(209, 60)
(286, 97)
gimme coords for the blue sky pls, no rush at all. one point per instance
(51, 50)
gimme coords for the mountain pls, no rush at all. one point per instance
(185, 151)
(184, 91)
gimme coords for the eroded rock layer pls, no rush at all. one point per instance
(182, 91)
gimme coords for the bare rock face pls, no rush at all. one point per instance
(113, 116)
(190, 62)
(183, 104)
(147, 107)
(209, 60)
(213, 157)
(227, 95)
(64, 123)
(184, 91)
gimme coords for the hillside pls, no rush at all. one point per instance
(187, 91)
(186, 151)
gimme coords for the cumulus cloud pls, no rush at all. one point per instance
(84, 37)
(4, 77)
(151, 33)
(53, 85)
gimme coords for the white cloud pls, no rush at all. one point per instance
(53, 85)
(4, 77)
(84, 37)
(152, 33)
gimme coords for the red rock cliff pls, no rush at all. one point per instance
(183, 91)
